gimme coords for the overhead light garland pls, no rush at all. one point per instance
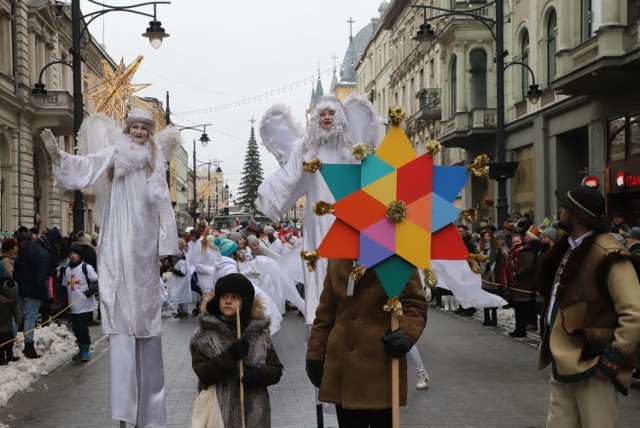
(255, 98)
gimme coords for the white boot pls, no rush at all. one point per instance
(454, 303)
(446, 303)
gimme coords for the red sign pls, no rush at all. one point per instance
(591, 181)
(623, 180)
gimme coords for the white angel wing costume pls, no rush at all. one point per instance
(283, 188)
(134, 202)
(96, 133)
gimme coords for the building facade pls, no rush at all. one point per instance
(583, 55)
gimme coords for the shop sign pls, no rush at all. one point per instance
(627, 180)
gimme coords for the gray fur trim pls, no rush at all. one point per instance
(213, 338)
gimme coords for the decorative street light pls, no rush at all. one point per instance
(204, 140)
(155, 33)
(501, 170)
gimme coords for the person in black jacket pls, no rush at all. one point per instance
(35, 263)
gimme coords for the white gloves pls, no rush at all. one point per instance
(51, 144)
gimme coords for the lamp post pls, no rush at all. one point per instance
(204, 140)
(500, 170)
(155, 33)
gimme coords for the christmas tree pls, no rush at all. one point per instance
(251, 175)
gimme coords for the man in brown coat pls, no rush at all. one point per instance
(591, 319)
(351, 346)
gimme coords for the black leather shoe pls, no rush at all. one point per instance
(517, 334)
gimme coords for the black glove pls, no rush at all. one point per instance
(251, 376)
(397, 343)
(239, 349)
(93, 289)
(315, 369)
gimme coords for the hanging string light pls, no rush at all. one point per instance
(255, 98)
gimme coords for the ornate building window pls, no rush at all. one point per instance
(524, 87)
(478, 62)
(551, 47)
(454, 83)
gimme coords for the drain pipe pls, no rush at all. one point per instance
(16, 80)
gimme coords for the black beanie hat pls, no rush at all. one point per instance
(75, 248)
(237, 284)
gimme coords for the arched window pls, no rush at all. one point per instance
(525, 60)
(454, 83)
(551, 47)
(478, 63)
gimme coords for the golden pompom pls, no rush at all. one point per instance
(396, 114)
(312, 166)
(322, 208)
(396, 211)
(430, 277)
(394, 306)
(311, 258)
(433, 148)
(478, 167)
(360, 151)
(469, 215)
(357, 273)
(474, 260)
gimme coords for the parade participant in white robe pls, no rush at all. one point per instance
(329, 139)
(128, 176)
(180, 287)
(206, 256)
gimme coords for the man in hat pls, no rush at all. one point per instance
(591, 316)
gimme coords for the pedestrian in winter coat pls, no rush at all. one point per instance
(9, 311)
(81, 290)
(216, 352)
(350, 349)
(37, 261)
(591, 315)
(8, 256)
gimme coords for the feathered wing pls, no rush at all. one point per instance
(169, 140)
(280, 132)
(97, 132)
(364, 122)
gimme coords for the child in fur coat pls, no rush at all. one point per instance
(216, 351)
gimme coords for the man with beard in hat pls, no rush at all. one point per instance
(35, 263)
(591, 317)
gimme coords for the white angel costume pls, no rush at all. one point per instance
(354, 122)
(132, 203)
(224, 266)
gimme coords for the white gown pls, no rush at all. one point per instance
(128, 268)
(180, 287)
(281, 190)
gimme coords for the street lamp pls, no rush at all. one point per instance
(155, 33)
(204, 140)
(501, 170)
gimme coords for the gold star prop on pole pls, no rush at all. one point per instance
(113, 92)
(206, 188)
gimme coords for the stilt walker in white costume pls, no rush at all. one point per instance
(333, 130)
(126, 170)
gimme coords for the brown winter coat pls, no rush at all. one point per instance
(347, 334)
(596, 313)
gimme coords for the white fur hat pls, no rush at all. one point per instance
(141, 115)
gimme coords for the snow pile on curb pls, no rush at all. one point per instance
(54, 342)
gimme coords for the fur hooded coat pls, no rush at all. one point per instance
(214, 365)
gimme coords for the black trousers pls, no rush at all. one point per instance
(357, 418)
(6, 336)
(524, 311)
(80, 324)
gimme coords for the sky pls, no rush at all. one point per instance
(223, 52)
